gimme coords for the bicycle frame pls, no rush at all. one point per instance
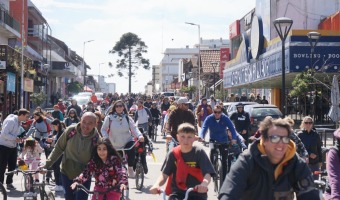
(186, 193)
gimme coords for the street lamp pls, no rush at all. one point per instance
(283, 26)
(313, 38)
(199, 57)
(84, 60)
(214, 65)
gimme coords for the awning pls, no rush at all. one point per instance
(217, 84)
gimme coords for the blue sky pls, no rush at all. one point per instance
(159, 23)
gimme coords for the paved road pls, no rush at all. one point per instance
(154, 172)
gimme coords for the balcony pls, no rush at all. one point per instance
(37, 33)
(9, 27)
(62, 69)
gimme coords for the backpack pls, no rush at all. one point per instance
(73, 132)
(328, 187)
(47, 125)
(183, 170)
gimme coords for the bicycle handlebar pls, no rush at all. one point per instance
(186, 193)
(28, 172)
(127, 149)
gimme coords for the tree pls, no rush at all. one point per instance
(130, 48)
(38, 98)
(74, 87)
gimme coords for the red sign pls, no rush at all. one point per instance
(224, 57)
(234, 29)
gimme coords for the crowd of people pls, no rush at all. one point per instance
(80, 143)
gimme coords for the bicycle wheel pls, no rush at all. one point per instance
(27, 182)
(220, 173)
(122, 196)
(154, 133)
(3, 193)
(46, 194)
(139, 176)
(216, 178)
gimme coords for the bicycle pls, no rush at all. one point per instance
(33, 189)
(321, 182)
(218, 163)
(98, 193)
(154, 129)
(3, 192)
(125, 163)
(139, 178)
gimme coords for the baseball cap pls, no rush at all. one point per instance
(239, 105)
(182, 100)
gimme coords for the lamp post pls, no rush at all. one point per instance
(214, 65)
(283, 26)
(199, 57)
(84, 60)
(313, 38)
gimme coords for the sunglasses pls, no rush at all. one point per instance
(119, 106)
(276, 139)
(217, 112)
(308, 122)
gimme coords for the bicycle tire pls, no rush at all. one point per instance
(155, 133)
(216, 178)
(139, 179)
(220, 174)
(122, 196)
(27, 183)
(3, 192)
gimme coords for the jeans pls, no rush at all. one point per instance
(71, 194)
(8, 156)
(224, 156)
(56, 171)
(145, 127)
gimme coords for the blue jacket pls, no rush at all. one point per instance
(218, 130)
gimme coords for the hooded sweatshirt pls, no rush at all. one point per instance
(253, 176)
(76, 151)
(10, 131)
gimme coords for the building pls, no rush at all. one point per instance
(256, 48)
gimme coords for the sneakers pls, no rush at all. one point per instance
(131, 173)
(10, 187)
(58, 188)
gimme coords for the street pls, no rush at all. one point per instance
(150, 178)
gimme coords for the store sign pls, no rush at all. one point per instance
(29, 85)
(224, 58)
(2, 64)
(10, 82)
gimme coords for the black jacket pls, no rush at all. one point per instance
(312, 144)
(241, 121)
(252, 177)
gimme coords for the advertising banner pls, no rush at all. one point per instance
(10, 82)
(224, 57)
(28, 85)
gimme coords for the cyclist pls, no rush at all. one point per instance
(241, 120)
(156, 114)
(143, 116)
(185, 166)
(217, 124)
(271, 169)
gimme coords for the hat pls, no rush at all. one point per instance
(239, 105)
(182, 100)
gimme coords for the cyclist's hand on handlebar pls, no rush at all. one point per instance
(122, 187)
(141, 139)
(154, 190)
(74, 185)
(202, 188)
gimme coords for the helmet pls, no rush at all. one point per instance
(132, 109)
(239, 105)
(337, 134)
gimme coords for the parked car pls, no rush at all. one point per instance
(82, 100)
(257, 112)
(226, 106)
(168, 94)
(232, 107)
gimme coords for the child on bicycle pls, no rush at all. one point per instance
(107, 169)
(31, 155)
(186, 166)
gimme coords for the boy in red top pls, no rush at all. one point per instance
(187, 166)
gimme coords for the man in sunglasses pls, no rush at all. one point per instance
(217, 123)
(271, 169)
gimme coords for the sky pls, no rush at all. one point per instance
(159, 23)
